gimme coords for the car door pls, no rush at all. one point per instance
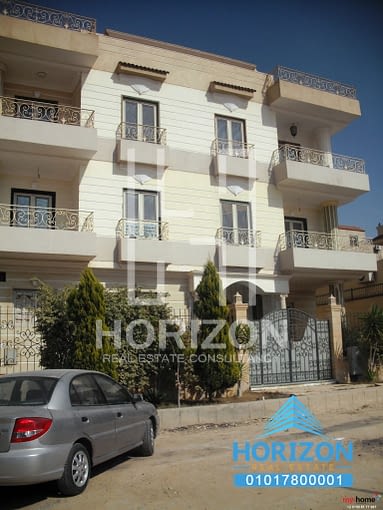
(130, 421)
(94, 417)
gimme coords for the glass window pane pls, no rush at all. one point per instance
(22, 211)
(148, 115)
(242, 216)
(150, 209)
(23, 200)
(43, 202)
(222, 131)
(227, 214)
(131, 205)
(130, 112)
(237, 131)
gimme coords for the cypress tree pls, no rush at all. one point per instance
(217, 369)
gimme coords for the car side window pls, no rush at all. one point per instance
(114, 392)
(83, 391)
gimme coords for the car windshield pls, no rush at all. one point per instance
(20, 391)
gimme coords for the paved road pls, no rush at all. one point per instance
(193, 469)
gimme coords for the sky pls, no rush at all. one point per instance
(341, 40)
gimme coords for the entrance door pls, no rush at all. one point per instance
(290, 347)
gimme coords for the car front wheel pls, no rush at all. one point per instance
(147, 447)
(76, 471)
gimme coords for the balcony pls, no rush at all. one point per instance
(47, 129)
(75, 42)
(319, 175)
(47, 16)
(325, 255)
(312, 95)
(233, 158)
(54, 233)
(237, 247)
(141, 144)
(148, 242)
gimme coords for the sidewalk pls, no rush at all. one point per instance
(319, 398)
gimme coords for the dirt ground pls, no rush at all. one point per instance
(193, 469)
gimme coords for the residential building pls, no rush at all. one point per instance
(143, 159)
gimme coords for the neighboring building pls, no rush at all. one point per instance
(143, 159)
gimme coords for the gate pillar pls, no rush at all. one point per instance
(333, 313)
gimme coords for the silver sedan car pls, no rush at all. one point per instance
(57, 424)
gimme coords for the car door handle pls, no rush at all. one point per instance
(85, 419)
(119, 415)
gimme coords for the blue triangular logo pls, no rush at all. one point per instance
(293, 414)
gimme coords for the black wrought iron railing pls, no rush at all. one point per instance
(141, 133)
(46, 112)
(316, 157)
(47, 16)
(14, 215)
(142, 229)
(313, 81)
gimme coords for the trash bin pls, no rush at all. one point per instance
(354, 362)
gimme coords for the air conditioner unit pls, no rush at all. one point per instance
(10, 356)
(368, 277)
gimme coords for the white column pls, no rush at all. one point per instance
(323, 138)
(283, 298)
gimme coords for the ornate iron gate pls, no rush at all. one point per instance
(290, 347)
(19, 342)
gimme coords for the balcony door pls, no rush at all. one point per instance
(32, 209)
(141, 214)
(296, 232)
(236, 226)
(141, 121)
(231, 136)
(36, 109)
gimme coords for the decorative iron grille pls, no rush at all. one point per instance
(46, 112)
(47, 16)
(233, 148)
(319, 158)
(290, 347)
(313, 81)
(239, 236)
(142, 229)
(41, 217)
(141, 133)
(322, 241)
(20, 344)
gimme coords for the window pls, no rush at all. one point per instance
(84, 391)
(231, 137)
(20, 391)
(141, 121)
(142, 214)
(32, 109)
(354, 241)
(236, 227)
(114, 392)
(32, 209)
(296, 232)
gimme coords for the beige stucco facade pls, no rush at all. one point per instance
(225, 199)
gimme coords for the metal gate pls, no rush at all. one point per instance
(19, 343)
(290, 347)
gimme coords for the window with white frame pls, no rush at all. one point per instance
(231, 137)
(140, 120)
(236, 223)
(141, 214)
